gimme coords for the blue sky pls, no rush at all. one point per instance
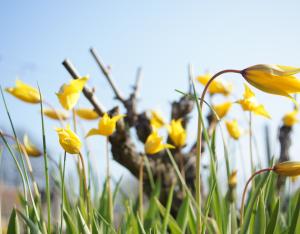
(161, 36)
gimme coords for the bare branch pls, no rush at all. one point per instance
(190, 77)
(136, 87)
(106, 73)
(99, 108)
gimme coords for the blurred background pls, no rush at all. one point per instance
(162, 37)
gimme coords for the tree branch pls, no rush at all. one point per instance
(88, 93)
(106, 73)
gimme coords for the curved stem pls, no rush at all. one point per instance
(61, 121)
(246, 186)
(199, 142)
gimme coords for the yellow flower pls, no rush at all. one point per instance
(156, 120)
(30, 149)
(68, 140)
(249, 103)
(232, 181)
(216, 86)
(56, 114)
(177, 133)
(290, 118)
(68, 94)
(233, 129)
(24, 92)
(222, 109)
(87, 114)
(275, 79)
(288, 168)
(106, 126)
(154, 143)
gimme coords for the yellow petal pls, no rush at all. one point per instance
(24, 92)
(260, 110)
(92, 132)
(31, 149)
(157, 120)
(68, 140)
(290, 118)
(222, 109)
(87, 114)
(56, 114)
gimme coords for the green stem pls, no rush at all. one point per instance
(199, 143)
(46, 167)
(110, 199)
(245, 190)
(86, 191)
(141, 191)
(62, 193)
(250, 141)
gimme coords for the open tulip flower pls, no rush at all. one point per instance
(233, 129)
(154, 144)
(68, 140)
(275, 79)
(177, 133)
(222, 109)
(87, 114)
(30, 148)
(106, 126)
(217, 86)
(249, 103)
(156, 120)
(68, 94)
(56, 114)
(24, 92)
(290, 118)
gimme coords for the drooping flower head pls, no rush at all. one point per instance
(177, 133)
(24, 92)
(30, 148)
(233, 129)
(250, 103)
(156, 120)
(56, 114)
(68, 94)
(68, 140)
(275, 79)
(87, 114)
(290, 118)
(222, 109)
(288, 168)
(106, 126)
(216, 86)
(154, 143)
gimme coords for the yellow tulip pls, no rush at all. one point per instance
(68, 140)
(216, 86)
(233, 129)
(106, 126)
(30, 149)
(232, 181)
(154, 144)
(290, 118)
(56, 114)
(68, 94)
(24, 92)
(156, 120)
(222, 109)
(288, 168)
(275, 79)
(177, 133)
(249, 103)
(87, 114)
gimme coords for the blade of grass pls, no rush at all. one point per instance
(45, 164)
